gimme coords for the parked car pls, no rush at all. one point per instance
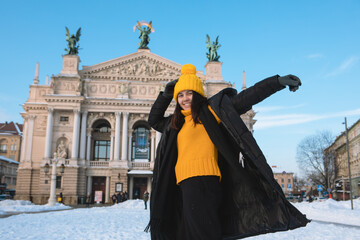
(4, 197)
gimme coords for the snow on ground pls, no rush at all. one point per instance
(13, 206)
(127, 221)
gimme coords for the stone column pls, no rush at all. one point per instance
(49, 130)
(124, 136)
(149, 184)
(88, 147)
(112, 138)
(107, 189)
(131, 185)
(75, 138)
(117, 136)
(152, 156)
(83, 135)
(89, 186)
(23, 141)
(30, 137)
(129, 146)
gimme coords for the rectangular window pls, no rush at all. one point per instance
(102, 151)
(64, 119)
(289, 180)
(282, 180)
(58, 181)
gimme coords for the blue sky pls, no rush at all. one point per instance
(319, 41)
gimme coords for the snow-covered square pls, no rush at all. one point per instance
(127, 220)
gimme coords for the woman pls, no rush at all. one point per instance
(201, 189)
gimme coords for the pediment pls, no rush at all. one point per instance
(142, 65)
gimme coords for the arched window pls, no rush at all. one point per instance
(141, 143)
(101, 140)
(3, 146)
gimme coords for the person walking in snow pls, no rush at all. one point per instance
(146, 198)
(211, 180)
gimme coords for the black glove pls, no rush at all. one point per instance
(169, 89)
(290, 80)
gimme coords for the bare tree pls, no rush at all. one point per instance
(317, 165)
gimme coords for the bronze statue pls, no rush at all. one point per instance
(144, 33)
(72, 41)
(212, 54)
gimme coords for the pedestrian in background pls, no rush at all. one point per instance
(146, 198)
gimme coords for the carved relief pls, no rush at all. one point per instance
(143, 67)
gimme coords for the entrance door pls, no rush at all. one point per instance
(140, 185)
(98, 184)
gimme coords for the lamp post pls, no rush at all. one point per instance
(348, 158)
(52, 198)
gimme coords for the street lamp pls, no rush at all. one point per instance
(52, 198)
(348, 158)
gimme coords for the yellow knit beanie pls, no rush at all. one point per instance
(188, 81)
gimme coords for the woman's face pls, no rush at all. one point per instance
(185, 99)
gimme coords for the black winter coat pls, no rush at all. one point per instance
(253, 202)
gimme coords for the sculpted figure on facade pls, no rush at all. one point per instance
(213, 47)
(73, 47)
(123, 88)
(144, 33)
(61, 150)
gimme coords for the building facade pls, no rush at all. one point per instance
(8, 168)
(95, 119)
(10, 140)
(285, 180)
(339, 150)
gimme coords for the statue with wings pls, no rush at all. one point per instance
(213, 47)
(144, 33)
(72, 40)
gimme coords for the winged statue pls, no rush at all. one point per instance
(212, 47)
(73, 47)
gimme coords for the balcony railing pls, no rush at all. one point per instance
(140, 164)
(99, 164)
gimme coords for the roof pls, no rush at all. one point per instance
(11, 128)
(8, 160)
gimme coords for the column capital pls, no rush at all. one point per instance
(117, 114)
(84, 112)
(50, 110)
(76, 111)
(125, 114)
(32, 116)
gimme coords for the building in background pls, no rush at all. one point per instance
(10, 140)
(95, 119)
(339, 151)
(8, 173)
(284, 179)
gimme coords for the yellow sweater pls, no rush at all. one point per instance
(197, 155)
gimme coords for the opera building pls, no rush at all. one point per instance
(93, 121)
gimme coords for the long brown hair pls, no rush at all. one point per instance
(196, 103)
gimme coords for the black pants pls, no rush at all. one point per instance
(201, 202)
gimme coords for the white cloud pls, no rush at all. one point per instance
(264, 122)
(315, 55)
(276, 108)
(347, 64)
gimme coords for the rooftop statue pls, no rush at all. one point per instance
(213, 47)
(72, 41)
(144, 33)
